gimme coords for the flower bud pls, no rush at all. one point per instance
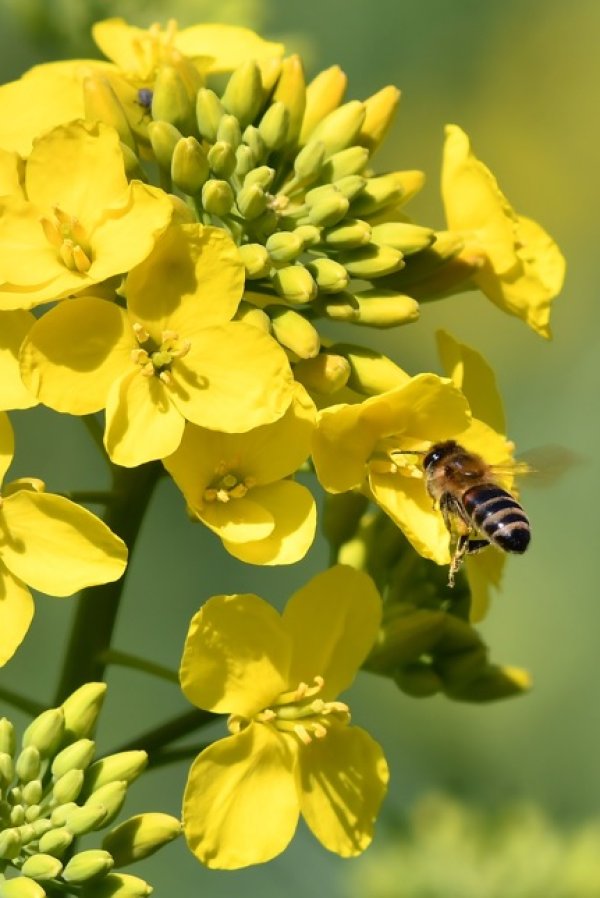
(209, 112)
(384, 308)
(229, 131)
(118, 885)
(308, 234)
(328, 211)
(251, 201)
(221, 159)
(379, 113)
(140, 836)
(295, 284)
(7, 736)
(109, 797)
(340, 128)
(21, 887)
(418, 680)
(371, 372)
(32, 794)
(10, 843)
(243, 94)
(371, 261)
(433, 269)
(250, 314)
(494, 683)
(62, 812)
(41, 866)
(17, 813)
(331, 277)
(324, 94)
(217, 197)
(350, 186)
(293, 331)
(245, 160)
(406, 237)
(68, 787)
(81, 710)
(284, 246)
(171, 101)
(252, 138)
(350, 161)
(308, 163)
(378, 192)
(133, 168)
(263, 176)
(83, 820)
(123, 766)
(350, 234)
(7, 769)
(291, 91)
(28, 764)
(326, 373)
(189, 166)
(101, 104)
(78, 755)
(256, 260)
(163, 139)
(55, 841)
(46, 731)
(263, 226)
(273, 126)
(86, 865)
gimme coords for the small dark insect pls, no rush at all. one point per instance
(144, 97)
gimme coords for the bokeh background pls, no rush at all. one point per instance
(522, 77)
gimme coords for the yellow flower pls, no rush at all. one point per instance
(291, 751)
(234, 484)
(14, 327)
(520, 268)
(173, 356)
(49, 544)
(79, 222)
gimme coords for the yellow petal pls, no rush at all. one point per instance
(16, 613)
(241, 802)
(7, 444)
(234, 378)
(14, 327)
(236, 655)
(471, 374)
(238, 521)
(74, 353)
(332, 622)
(11, 172)
(56, 546)
(341, 448)
(142, 424)
(484, 572)
(344, 780)
(229, 45)
(193, 279)
(294, 514)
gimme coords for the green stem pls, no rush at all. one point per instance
(98, 606)
(21, 702)
(174, 755)
(96, 432)
(124, 659)
(90, 497)
(154, 740)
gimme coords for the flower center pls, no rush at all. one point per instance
(156, 359)
(300, 712)
(394, 455)
(154, 47)
(227, 485)
(67, 234)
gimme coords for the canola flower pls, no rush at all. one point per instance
(189, 220)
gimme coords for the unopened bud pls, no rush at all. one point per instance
(78, 755)
(171, 101)
(10, 843)
(27, 766)
(350, 161)
(87, 865)
(371, 261)
(55, 841)
(371, 372)
(124, 765)
(217, 197)
(418, 680)
(7, 736)
(209, 112)
(252, 138)
(7, 769)
(256, 259)
(263, 226)
(109, 797)
(68, 787)
(384, 308)
(293, 331)
(295, 284)
(326, 373)
(328, 211)
(496, 682)
(324, 94)
(273, 126)
(254, 316)
(245, 160)
(263, 176)
(350, 234)
(163, 139)
(437, 268)
(243, 94)
(118, 885)
(32, 795)
(21, 887)
(340, 128)
(378, 192)
(309, 162)
(291, 91)
(404, 236)
(350, 186)
(308, 234)
(331, 277)
(81, 710)
(221, 159)
(140, 836)
(46, 731)
(83, 820)
(380, 110)
(189, 166)
(251, 201)
(133, 167)
(101, 104)
(284, 246)
(41, 866)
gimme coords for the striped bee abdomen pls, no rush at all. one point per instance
(498, 516)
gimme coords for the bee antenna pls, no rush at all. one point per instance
(410, 451)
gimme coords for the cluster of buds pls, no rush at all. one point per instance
(52, 792)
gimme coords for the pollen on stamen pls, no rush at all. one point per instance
(141, 334)
(82, 261)
(166, 377)
(302, 734)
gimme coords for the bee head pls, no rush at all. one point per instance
(438, 452)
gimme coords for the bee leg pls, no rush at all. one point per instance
(460, 550)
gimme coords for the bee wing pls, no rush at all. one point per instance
(543, 465)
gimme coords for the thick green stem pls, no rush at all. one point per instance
(154, 740)
(98, 606)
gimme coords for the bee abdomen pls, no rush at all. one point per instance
(499, 516)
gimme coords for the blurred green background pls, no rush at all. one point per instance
(522, 77)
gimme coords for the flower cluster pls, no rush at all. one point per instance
(183, 219)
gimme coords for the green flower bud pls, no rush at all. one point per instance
(295, 284)
(163, 139)
(7, 737)
(308, 234)
(331, 277)
(256, 260)
(350, 186)
(82, 820)
(340, 128)
(209, 112)
(409, 634)
(274, 126)
(341, 307)
(117, 885)
(101, 104)
(251, 201)
(418, 680)
(326, 373)
(263, 176)
(284, 246)
(10, 843)
(133, 168)
(87, 865)
(329, 211)
(221, 159)
(182, 213)
(28, 764)
(17, 814)
(7, 769)
(32, 792)
(293, 331)
(123, 766)
(229, 131)
(245, 160)
(27, 833)
(55, 841)
(496, 682)
(263, 226)
(380, 109)
(255, 143)
(22, 887)
(350, 161)
(41, 866)
(81, 710)
(171, 101)
(110, 797)
(189, 166)
(59, 815)
(371, 261)
(434, 266)
(291, 91)
(378, 193)
(384, 308)
(45, 732)
(140, 836)
(32, 813)
(350, 234)
(371, 372)
(40, 826)
(75, 756)
(404, 236)
(324, 94)
(308, 164)
(217, 197)
(68, 787)
(243, 94)
(250, 314)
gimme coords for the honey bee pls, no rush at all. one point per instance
(477, 511)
